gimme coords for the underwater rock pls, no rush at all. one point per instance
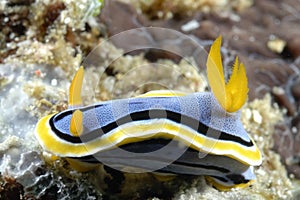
(287, 141)
(282, 98)
(293, 47)
(14, 21)
(166, 9)
(51, 13)
(287, 133)
(24, 173)
(10, 189)
(251, 44)
(296, 91)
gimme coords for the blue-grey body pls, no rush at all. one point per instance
(198, 112)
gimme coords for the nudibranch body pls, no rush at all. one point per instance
(195, 134)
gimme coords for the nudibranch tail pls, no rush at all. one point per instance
(75, 88)
(225, 186)
(233, 94)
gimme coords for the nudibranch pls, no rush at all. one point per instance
(204, 127)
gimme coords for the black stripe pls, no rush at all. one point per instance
(158, 143)
(210, 167)
(149, 145)
(146, 115)
(237, 178)
(92, 160)
(222, 179)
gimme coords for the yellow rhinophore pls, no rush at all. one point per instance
(76, 126)
(75, 88)
(233, 94)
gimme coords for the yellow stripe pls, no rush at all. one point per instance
(162, 93)
(140, 132)
(81, 166)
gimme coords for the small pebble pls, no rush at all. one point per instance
(276, 45)
(191, 25)
(54, 82)
(248, 113)
(257, 117)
